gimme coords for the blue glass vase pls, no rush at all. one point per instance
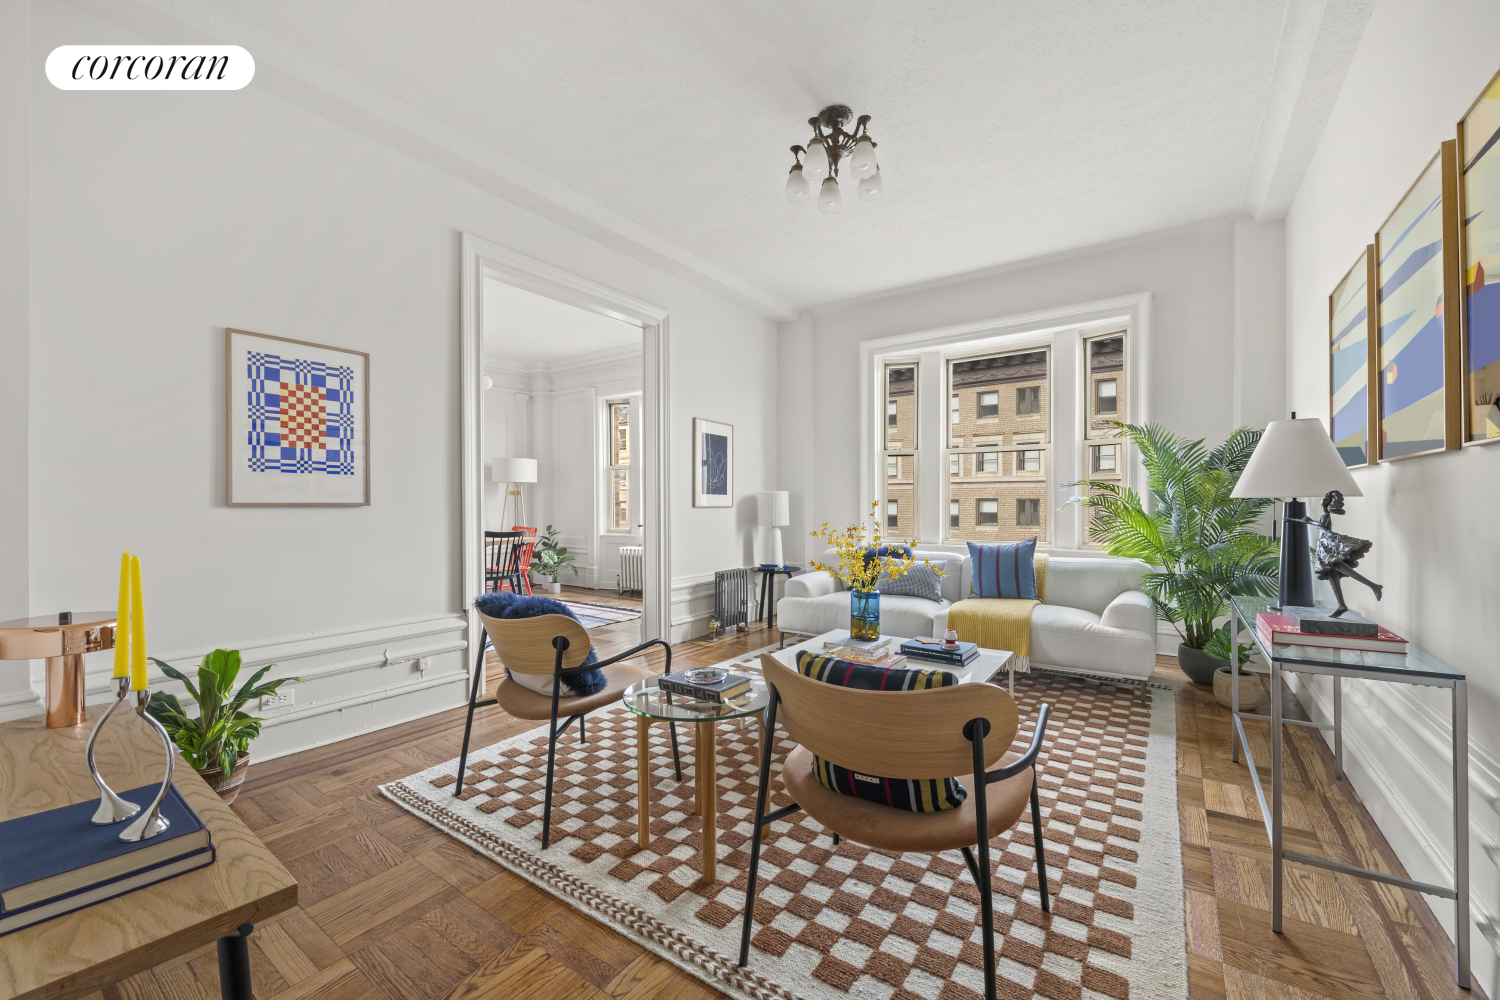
(864, 614)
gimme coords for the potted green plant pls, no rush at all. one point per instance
(549, 558)
(216, 743)
(1251, 691)
(1200, 541)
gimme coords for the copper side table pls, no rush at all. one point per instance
(62, 640)
(649, 704)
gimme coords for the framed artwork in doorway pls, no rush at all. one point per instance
(713, 464)
(297, 421)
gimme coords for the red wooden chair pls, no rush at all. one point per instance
(530, 543)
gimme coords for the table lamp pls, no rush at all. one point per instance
(1295, 458)
(774, 508)
(513, 472)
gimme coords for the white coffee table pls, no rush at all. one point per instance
(980, 670)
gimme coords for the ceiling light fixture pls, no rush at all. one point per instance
(820, 160)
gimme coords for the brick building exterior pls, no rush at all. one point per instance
(999, 400)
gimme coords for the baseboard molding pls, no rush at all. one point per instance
(692, 604)
(1413, 733)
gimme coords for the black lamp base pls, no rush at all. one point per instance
(1296, 586)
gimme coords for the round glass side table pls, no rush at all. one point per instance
(649, 703)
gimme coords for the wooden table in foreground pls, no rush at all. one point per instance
(78, 953)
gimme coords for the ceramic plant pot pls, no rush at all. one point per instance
(554, 588)
(1251, 693)
(864, 614)
(228, 786)
(1197, 664)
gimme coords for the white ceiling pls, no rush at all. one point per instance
(524, 330)
(1008, 129)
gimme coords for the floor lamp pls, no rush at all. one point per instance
(513, 472)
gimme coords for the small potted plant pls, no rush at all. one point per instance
(1251, 692)
(549, 558)
(216, 743)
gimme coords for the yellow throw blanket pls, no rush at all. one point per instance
(1001, 622)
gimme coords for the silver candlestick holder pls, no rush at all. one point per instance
(112, 808)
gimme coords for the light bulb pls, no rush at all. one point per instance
(871, 187)
(829, 199)
(797, 188)
(815, 163)
(863, 159)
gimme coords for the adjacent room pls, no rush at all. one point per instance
(1001, 519)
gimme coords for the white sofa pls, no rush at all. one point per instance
(1095, 618)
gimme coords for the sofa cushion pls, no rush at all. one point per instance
(1091, 583)
(906, 617)
(1075, 639)
(911, 794)
(1003, 570)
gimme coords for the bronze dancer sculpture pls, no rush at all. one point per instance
(1339, 554)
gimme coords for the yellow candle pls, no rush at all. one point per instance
(122, 619)
(137, 628)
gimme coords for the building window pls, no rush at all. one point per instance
(900, 454)
(617, 472)
(953, 465)
(989, 405)
(1006, 460)
(988, 461)
(1028, 399)
(1104, 457)
(1028, 512)
(952, 513)
(953, 409)
(1106, 396)
(987, 512)
(1029, 461)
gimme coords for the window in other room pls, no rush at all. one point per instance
(618, 472)
(899, 452)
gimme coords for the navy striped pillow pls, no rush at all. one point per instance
(911, 794)
(1003, 570)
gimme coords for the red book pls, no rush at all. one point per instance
(1279, 631)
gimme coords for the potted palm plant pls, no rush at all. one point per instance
(215, 744)
(549, 558)
(1200, 541)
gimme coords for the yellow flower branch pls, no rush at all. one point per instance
(854, 545)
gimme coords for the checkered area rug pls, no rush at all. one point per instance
(847, 921)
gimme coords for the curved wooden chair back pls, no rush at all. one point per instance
(524, 645)
(895, 734)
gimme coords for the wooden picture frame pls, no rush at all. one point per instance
(1353, 365)
(296, 423)
(713, 463)
(1478, 156)
(1419, 341)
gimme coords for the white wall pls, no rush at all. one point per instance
(157, 219)
(1191, 273)
(1416, 71)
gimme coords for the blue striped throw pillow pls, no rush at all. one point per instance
(913, 795)
(1003, 570)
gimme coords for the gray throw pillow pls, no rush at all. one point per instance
(920, 581)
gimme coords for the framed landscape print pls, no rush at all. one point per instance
(713, 464)
(1478, 137)
(298, 423)
(1351, 362)
(1410, 270)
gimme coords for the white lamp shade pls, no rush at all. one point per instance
(774, 507)
(513, 470)
(1295, 458)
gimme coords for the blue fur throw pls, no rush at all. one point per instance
(505, 604)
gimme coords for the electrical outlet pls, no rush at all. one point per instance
(279, 702)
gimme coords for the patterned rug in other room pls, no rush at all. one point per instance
(846, 921)
(598, 615)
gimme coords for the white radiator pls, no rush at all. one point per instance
(632, 568)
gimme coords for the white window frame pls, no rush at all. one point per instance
(606, 526)
(1065, 325)
(1123, 450)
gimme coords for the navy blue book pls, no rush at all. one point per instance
(932, 650)
(58, 853)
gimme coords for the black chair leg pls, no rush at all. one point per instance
(547, 807)
(463, 758)
(581, 739)
(986, 890)
(760, 811)
(1036, 837)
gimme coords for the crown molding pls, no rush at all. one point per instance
(610, 360)
(296, 74)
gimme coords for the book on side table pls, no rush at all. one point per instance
(1386, 649)
(55, 862)
(721, 692)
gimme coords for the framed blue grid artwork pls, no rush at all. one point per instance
(297, 419)
(713, 463)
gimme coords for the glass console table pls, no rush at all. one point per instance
(1418, 669)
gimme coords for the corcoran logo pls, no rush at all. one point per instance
(150, 67)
